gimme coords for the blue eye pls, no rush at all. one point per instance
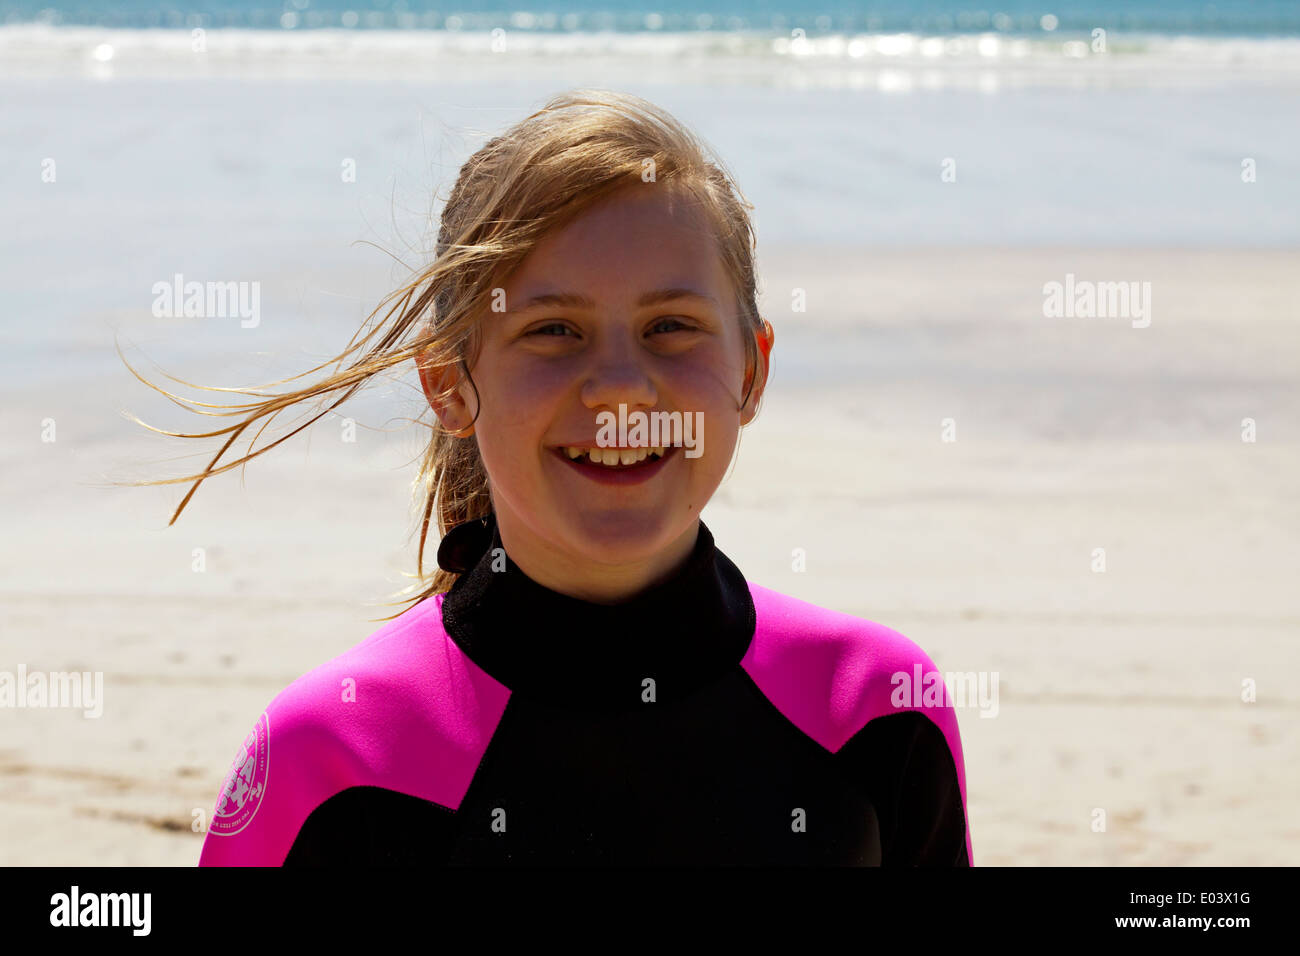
(670, 319)
(559, 329)
(541, 330)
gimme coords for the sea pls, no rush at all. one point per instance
(210, 140)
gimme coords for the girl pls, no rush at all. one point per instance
(587, 678)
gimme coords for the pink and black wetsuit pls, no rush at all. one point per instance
(707, 721)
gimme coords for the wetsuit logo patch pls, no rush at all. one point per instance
(245, 785)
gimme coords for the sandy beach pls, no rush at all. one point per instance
(1118, 690)
(948, 457)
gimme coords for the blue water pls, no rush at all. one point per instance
(1247, 18)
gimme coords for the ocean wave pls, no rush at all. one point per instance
(34, 42)
(926, 17)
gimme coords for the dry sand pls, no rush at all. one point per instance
(1118, 690)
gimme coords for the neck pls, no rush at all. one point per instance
(595, 582)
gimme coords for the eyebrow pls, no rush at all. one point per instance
(574, 300)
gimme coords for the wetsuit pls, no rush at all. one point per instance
(706, 721)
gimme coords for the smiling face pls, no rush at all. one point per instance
(629, 304)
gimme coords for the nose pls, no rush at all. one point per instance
(619, 375)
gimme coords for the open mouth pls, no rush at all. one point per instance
(617, 465)
(616, 457)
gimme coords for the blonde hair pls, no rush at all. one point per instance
(536, 176)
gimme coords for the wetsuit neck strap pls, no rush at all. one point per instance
(678, 635)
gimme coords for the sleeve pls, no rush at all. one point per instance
(931, 817)
(904, 762)
(287, 765)
(238, 803)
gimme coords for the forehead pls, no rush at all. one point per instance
(647, 235)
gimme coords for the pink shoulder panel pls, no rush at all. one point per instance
(404, 709)
(830, 673)
(407, 710)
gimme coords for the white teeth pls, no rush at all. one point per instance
(613, 456)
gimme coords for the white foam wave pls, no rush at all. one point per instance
(41, 48)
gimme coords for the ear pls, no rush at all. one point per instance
(765, 340)
(453, 410)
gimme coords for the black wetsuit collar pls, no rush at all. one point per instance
(683, 633)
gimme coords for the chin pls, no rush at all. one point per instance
(620, 536)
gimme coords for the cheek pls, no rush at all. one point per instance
(518, 402)
(721, 364)
(709, 385)
(719, 443)
(718, 422)
(506, 441)
(531, 380)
